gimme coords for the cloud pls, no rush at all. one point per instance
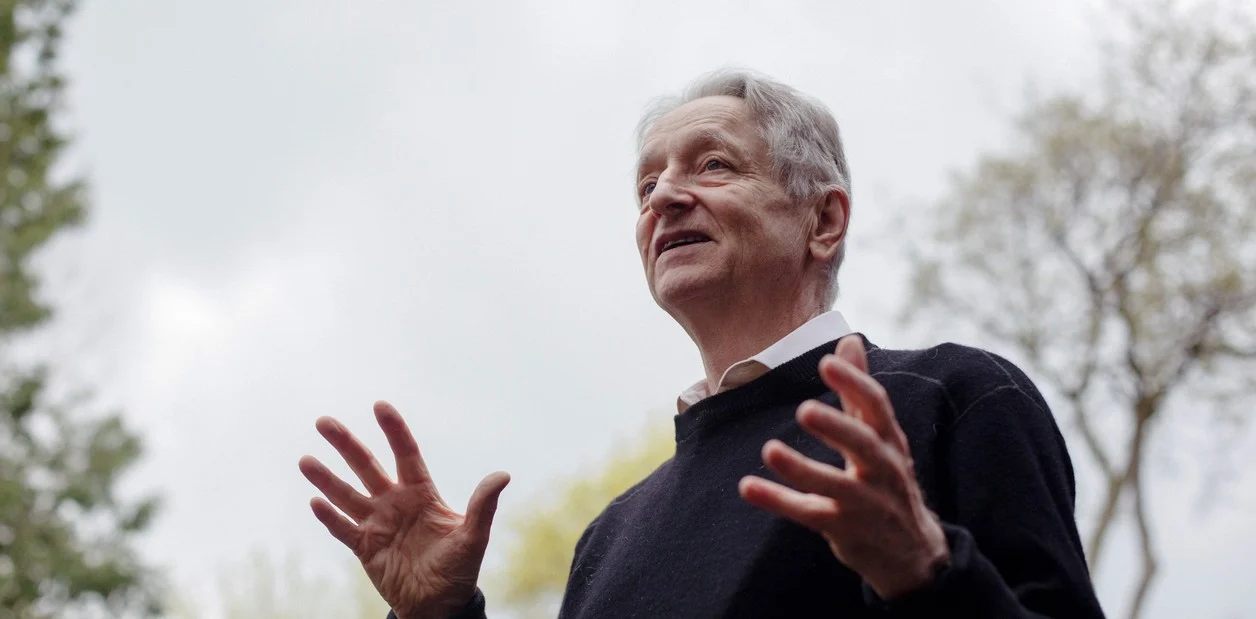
(301, 208)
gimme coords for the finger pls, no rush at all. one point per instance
(410, 466)
(339, 526)
(483, 504)
(864, 398)
(851, 349)
(356, 454)
(340, 493)
(806, 474)
(810, 510)
(848, 436)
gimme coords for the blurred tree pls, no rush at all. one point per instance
(543, 541)
(262, 587)
(63, 531)
(1115, 250)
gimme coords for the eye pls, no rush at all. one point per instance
(715, 164)
(648, 188)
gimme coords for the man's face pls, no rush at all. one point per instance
(714, 220)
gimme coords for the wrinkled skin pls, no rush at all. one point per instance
(422, 556)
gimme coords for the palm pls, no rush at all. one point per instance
(411, 546)
(423, 557)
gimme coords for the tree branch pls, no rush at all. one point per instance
(1116, 487)
(1091, 439)
(1234, 351)
(1149, 562)
(1098, 538)
(1090, 357)
(1192, 348)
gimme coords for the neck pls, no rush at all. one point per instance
(728, 332)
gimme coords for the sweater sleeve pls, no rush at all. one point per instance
(473, 610)
(1015, 549)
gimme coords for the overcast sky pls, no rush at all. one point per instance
(303, 206)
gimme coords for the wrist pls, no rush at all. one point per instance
(918, 576)
(445, 609)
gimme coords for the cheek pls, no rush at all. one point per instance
(773, 233)
(645, 234)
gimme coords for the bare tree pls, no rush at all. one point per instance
(1114, 249)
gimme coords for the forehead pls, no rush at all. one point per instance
(721, 116)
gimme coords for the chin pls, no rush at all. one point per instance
(678, 286)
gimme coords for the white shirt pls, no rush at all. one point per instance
(826, 327)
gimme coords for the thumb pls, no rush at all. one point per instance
(483, 505)
(851, 349)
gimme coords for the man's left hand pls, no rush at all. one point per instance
(872, 513)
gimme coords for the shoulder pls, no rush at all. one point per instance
(986, 409)
(966, 376)
(624, 505)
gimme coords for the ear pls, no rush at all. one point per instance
(832, 216)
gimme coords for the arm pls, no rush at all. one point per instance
(1014, 546)
(1010, 549)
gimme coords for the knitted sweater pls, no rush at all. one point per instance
(989, 458)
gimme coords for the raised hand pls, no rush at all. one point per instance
(422, 556)
(872, 513)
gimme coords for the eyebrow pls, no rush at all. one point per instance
(701, 138)
(707, 137)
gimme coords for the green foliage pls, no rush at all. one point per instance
(34, 204)
(544, 540)
(64, 533)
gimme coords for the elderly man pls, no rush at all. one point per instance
(815, 474)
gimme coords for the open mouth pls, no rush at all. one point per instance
(688, 239)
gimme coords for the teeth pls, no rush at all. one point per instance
(680, 241)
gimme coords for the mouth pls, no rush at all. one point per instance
(679, 239)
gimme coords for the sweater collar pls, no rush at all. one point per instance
(820, 329)
(789, 383)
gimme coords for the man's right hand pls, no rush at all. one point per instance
(422, 556)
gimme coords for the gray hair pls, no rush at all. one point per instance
(803, 139)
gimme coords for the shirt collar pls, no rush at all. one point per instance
(826, 327)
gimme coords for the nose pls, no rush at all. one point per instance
(671, 195)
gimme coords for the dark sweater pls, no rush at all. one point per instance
(989, 458)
